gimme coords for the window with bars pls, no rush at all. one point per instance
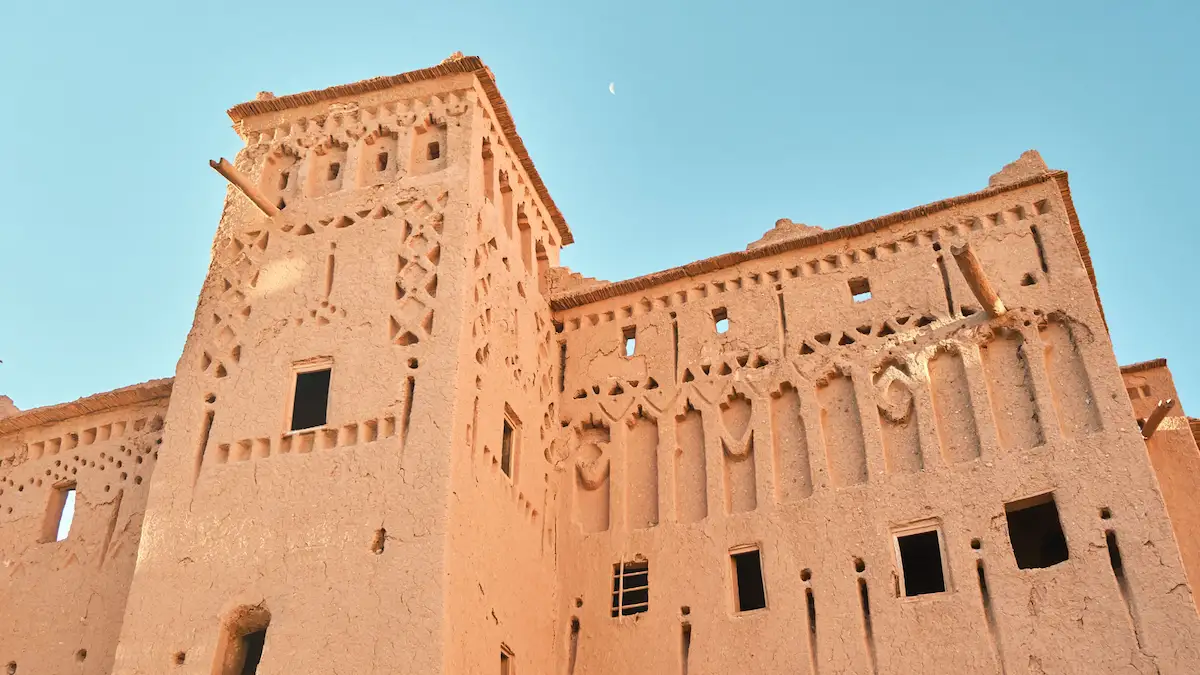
(631, 588)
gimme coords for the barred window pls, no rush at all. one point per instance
(631, 588)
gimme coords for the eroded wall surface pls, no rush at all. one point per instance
(337, 532)
(1173, 454)
(63, 600)
(856, 393)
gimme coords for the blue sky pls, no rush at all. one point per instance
(726, 118)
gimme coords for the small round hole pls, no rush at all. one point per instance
(179, 658)
(579, 602)
(976, 544)
(1106, 513)
(81, 655)
(806, 574)
(859, 565)
(12, 668)
(685, 610)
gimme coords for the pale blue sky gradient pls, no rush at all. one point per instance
(725, 119)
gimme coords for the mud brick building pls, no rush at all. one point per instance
(402, 438)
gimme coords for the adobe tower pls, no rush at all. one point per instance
(402, 439)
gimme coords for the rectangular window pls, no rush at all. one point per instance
(310, 396)
(240, 649)
(252, 649)
(629, 335)
(922, 565)
(1035, 532)
(60, 513)
(860, 289)
(506, 661)
(749, 591)
(720, 320)
(631, 588)
(510, 443)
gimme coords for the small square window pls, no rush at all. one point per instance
(381, 161)
(434, 150)
(749, 590)
(629, 335)
(631, 588)
(919, 551)
(721, 320)
(1035, 532)
(860, 289)
(310, 401)
(335, 168)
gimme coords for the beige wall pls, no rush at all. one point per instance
(292, 521)
(62, 601)
(816, 442)
(1174, 456)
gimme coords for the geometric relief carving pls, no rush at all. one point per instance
(737, 440)
(1074, 400)
(789, 443)
(952, 407)
(841, 429)
(592, 489)
(1010, 391)
(898, 420)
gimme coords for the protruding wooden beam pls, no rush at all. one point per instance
(973, 272)
(239, 181)
(1156, 417)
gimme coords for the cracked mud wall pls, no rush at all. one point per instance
(63, 601)
(339, 531)
(795, 325)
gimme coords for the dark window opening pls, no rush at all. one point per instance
(749, 592)
(631, 588)
(1036, 532)
(506, 661)
(381, 161)
(506, 449)
(252, 649)
(629, 334)
(335, 168)
(860, 289)
(283, 179)
(311, 401)
(434, 150)
(721, 319)
(921, 562)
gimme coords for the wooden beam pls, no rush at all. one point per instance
(973, 272)
(239, 181)
(1156, 417)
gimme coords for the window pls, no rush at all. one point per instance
(506, 661)
(721, 319)
(381, 161)
(629, 335)
(240, 649)
(1036, 532)
(631, 588)
(749, 592)
(860, 289)
(60, 513)
(335, 168)
(509, 443)
(310, 399)
(919, 552)
(434, 150)
(283, 179)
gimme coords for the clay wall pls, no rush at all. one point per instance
(1173, 454)
(500, 549)
(63, 599)
(336, 533)
(815, 427)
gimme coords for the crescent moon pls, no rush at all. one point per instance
(612, 88)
